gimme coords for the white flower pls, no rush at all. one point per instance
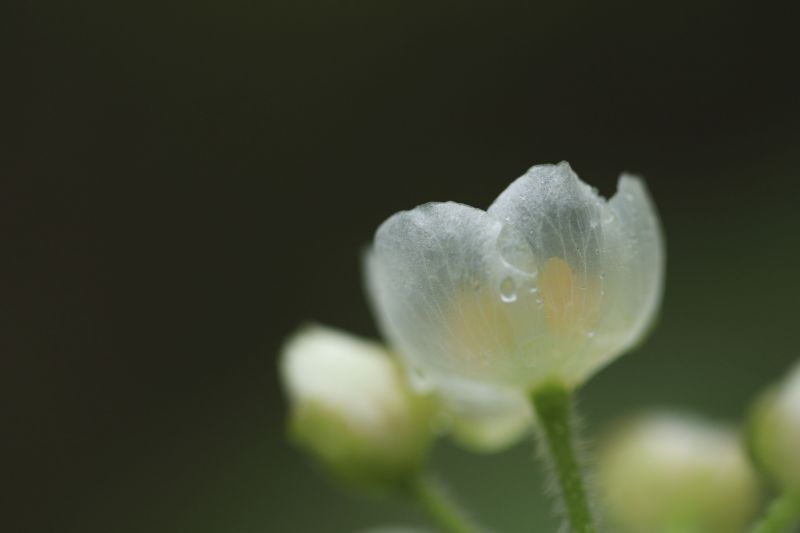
(669, 472)
(775, 432)
(352, 408)
(550, 283)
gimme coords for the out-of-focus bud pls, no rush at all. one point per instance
(774, 432)
(674, 473)
(352, 409)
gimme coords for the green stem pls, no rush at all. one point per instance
(440, 507)
(553, 405)
(782, 515)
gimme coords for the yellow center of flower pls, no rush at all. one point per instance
(522, 317)
(570, 305)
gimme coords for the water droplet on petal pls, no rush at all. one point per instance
(515, 251)
(508, 290)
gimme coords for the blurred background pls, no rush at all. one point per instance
(185, 184)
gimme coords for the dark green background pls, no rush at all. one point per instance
(183, 185)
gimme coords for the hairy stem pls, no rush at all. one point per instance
(440, 507)
(553, 405)
(783, 515)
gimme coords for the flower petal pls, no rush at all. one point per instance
(484, 418)
(600, 264)
(642, 254)
(633, 262)
(450, 289)
(558, 214)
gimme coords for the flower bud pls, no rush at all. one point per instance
(673, 473)
(351, 408)
(774, 432)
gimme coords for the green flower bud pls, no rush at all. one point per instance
(774, 432)
(351, 408)
(668, 473)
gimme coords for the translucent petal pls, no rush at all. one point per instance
(452, 294)
(485, 418)
(559, 215)
(600, 263)
(632, 276)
